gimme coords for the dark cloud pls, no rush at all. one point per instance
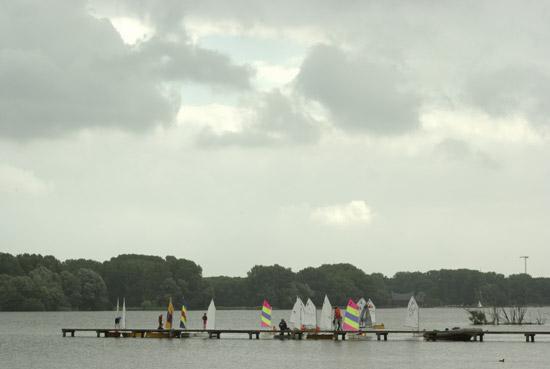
(455, 150)
(278, 119)
(62, 69)
(513, 90)
(361, 95)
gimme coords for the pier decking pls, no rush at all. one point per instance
(255, 333)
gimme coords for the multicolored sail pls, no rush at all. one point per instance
(266, 315)
(183, 318)
(351, 318)
(169, 315)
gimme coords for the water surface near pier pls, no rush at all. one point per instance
(33, 340)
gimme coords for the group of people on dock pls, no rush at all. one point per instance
(336, 322)
(161, 322)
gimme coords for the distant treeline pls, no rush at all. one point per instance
(36, 282)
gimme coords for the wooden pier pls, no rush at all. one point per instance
(381, 334)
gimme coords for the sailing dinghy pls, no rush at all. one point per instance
(325, 322)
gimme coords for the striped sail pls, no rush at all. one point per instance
(183, 318)
(169, 315)
(351, 318)
(265, 316)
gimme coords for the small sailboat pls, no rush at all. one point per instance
(167, 325)
(351, 317)
(265, 315)
(183, 319)
(268, 331)
(356, 318)
(297, 315)
(211, 315)
(365, 320)
(310, 316)
(325, 322)
(412, 319)
(372, 313)
(123, 318)
(327, 315)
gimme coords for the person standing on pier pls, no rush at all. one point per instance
(161, 324)
(337, 319)
(283, 327)
(204, 320)
(117, 322)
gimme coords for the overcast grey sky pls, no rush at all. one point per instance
(394, 135)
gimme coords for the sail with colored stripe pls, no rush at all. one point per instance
(297, 315)
(183, 317)
(351, 317)
(211, 315)
(310, 315)
(265, 316)
(327, 316)
(169, 315)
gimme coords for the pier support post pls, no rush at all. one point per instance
(481, 337)
(250, 335)
(98, 333)
(257, 335)
(64, 334)
(378, 337)
(385, 337)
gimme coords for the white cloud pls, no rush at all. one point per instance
(353, 213)
(269, 76)
(132, 30)
(17, 180)
(218, 118)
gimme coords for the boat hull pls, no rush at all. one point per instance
(460, 334)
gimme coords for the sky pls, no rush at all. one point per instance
(393, 135)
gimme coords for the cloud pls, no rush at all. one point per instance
(276, 119)
(512, 90)
(356, 212)
(62, 69)
(361, 95)
(17, 180)
(457, 151)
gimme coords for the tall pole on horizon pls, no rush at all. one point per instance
(524, 262)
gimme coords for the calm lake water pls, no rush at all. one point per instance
(33, 340)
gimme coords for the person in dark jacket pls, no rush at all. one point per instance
(161, 324)
(283, 327)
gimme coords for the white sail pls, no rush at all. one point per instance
(117, 308)
(297, 315)
(364, 313)
(211, 315)
(123, 319)
(372, 311)
(413, 317)
(310, 315)
(325, 323)
(479, 304)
